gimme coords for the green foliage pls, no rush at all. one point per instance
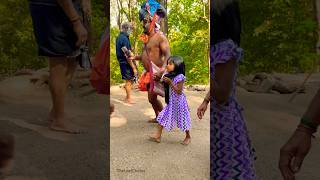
(188, 35)
(17, 44)
(278, 35)
(18, 48)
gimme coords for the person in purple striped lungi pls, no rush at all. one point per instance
(231, 153)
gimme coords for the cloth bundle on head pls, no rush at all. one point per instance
(152, 9)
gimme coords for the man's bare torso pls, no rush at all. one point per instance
(154, 51)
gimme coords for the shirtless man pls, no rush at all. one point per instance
(156, 50)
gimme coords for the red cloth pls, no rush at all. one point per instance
(100, 72)
(144, 81)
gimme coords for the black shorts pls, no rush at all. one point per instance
(53, 30)
(126, 71)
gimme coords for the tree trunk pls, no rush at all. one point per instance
(164, 22)
(119, 15)
(107, 10)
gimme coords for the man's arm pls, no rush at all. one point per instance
(311, 118)
(75, 19)
(313, 111)
(293, 153)
(69, 9)
(129, 60)
(137, 57)
(165, 50)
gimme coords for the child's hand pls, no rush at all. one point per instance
(167, 80)
(202, 109)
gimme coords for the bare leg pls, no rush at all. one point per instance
(58, 85)
(156, 137)
(71, 68)
(111, 108)
(187, 140)
(128, 87)
(156, 105)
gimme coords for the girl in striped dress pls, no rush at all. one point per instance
(231, 153)
(176, 113)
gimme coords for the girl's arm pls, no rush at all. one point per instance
(221, 85)
(178, 88)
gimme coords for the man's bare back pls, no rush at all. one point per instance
(157, 47)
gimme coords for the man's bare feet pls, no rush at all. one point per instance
(155, 138)
(154, 120)
(186, 141)
(67, 127)
(51, 116)
(128, 101)
(111, 109)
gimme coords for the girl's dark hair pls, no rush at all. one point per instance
(179, 68)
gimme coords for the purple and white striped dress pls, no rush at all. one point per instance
(176, 113)
(231, 154)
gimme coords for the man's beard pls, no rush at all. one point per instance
(220, 5)
(146, 30)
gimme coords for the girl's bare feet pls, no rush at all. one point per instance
(154, 120)
(155, 138)
(186, 141)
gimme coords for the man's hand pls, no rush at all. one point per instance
(132, 58)
(81, 33)
(202, 109)
(157, 76)
(293, 153)
(135, 71)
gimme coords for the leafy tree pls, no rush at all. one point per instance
(18, 48)
(188, 35)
